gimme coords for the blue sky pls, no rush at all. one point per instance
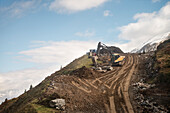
(40, 23)
(38, 34)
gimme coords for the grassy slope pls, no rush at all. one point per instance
(163, 62)
(27, 102)
(77, 63)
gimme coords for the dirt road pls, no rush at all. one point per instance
(114, 84)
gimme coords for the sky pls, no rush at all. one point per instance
(38, 36)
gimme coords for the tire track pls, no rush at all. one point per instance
(120, 99)
(115, 84)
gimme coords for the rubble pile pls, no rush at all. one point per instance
(146, 104)
(59, 104)
(103, 69)
(143, 86)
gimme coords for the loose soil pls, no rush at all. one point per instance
(88, 91)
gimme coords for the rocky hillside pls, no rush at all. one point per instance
(79, 88)
(62, 85)
(151, 90)
(58, 85)
(163, 62)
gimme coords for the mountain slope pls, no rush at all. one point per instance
(151, 45)
(151, 88)
(163, 62)
(148, 48)
(61, 84)
(85, 90)
(36, 99)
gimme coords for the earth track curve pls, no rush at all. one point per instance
(115, 84)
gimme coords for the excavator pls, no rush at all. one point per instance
(114, 58)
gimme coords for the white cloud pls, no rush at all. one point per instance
(57, 52)
(107, 13)
(154, 1)
(49, 53)
(148, 26)
(17, 9)
(14, 83)
(74, 5)
(85, 34)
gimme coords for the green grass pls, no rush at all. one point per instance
(5, 105)
(43, 109)
(77, 63)
(28, 109)
(36, 108)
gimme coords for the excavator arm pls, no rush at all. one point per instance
(114, 58)
(101, 45)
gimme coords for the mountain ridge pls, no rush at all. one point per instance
(152, 44)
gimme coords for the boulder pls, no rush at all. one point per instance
(108, 68)
(59, 104)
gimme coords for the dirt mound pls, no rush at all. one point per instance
(85, 73)
(111, 48)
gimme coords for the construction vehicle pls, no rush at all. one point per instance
(93, 56)
(114, 59)
(92, 53)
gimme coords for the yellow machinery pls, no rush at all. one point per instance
(112, 58)
(115, 57)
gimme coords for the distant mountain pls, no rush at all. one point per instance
(148, 48)
(134, 50)
(152, 44)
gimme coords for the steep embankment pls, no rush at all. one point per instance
(89, 91)
(163, 62)
(83, 89)
(151, 89)
(31, 101)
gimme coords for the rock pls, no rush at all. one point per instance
(143, 86)
(98, 68)
(146, 104)
(59, 104)
(108, 68)
(154, 104)
(156, 109)
(161, 108)
(143, 103)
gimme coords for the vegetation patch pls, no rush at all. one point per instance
(46, 100)
(77, 63)
(163, 62)
(43, 109)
